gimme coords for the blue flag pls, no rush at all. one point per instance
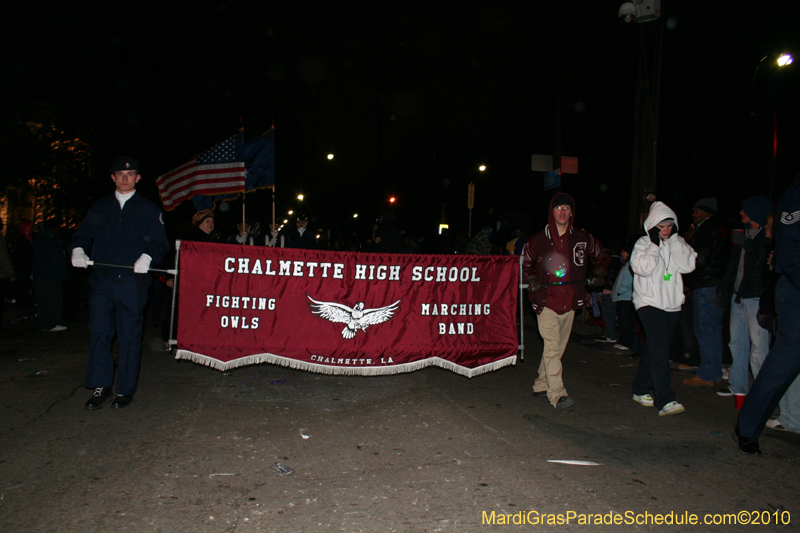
(259, 158)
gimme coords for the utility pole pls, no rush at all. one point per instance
(645, 141)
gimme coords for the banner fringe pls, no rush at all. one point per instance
(344, 370)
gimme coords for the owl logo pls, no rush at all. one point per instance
(356, 318)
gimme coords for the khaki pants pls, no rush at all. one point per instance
(555, 330)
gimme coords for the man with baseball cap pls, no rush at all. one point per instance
(707, 241)
(555, 264)
(746, 279)
(125, 229)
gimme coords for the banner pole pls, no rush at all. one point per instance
(521, 307)
(274, 227)
(174, 293)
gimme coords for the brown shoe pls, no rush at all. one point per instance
(695, 381)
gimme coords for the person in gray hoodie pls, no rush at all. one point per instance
(658, 261)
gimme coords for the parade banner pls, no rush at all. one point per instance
(346, 312)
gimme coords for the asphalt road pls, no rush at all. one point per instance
(419, 452)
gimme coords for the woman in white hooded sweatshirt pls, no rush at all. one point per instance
(658, 261)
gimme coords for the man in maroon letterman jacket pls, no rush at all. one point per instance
(559, 254)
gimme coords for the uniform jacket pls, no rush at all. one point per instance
(658, 268)
(542, 259)
(787, 235)
(119, 236)
(306, 240)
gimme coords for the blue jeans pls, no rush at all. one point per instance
(707, 327)
(749, 344)
(781, 366)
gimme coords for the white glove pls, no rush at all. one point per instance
(142, 265)
(79, 258)
(241, 238)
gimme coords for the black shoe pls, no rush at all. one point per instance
(121, 401)
(540, 394)
(101, 395)
(565, 402)
(746, 444)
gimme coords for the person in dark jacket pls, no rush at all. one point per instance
(707, 241)
(49, 273)
(746, 279)
(300, 236)
(782, 365)
(125, 229)
(560, 253)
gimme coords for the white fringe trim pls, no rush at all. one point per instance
(345, 370)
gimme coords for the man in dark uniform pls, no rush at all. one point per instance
(300, 236)
(126, 229)
(782, 364)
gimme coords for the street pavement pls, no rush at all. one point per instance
(200, 450)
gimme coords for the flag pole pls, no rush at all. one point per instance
(274, 227)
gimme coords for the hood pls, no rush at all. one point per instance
(551, 221)
(658, 212)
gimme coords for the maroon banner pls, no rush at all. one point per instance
(345, 312)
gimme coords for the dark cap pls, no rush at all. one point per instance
(563, 199)
(301, 217)
(707, 205)
(757, 208)
(124, 163)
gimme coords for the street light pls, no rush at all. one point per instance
(781, 61)
(300, 197)
(482, 168)
(330, 157)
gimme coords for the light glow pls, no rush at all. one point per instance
(785, 59)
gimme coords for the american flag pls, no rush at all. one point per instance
(215, 171)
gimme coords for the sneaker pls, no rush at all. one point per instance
(697, 381)
(565, 402)
(774, 424)
(644, 399)
(621, 347)
(57, 328)
(725, 392)
(605, 339)
(540, 394)
(672, 408)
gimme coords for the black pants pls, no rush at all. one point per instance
(626, 315)
(48, 295)
(654, 372)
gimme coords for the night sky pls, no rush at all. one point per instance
(411, 99)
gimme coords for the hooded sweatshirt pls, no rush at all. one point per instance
(553, 258)
(657, 268)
